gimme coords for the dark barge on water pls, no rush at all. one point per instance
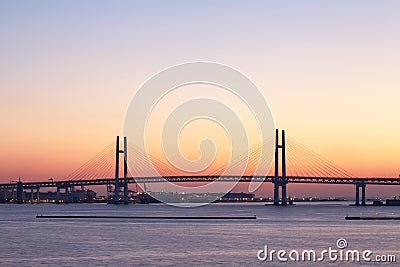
(371, 218)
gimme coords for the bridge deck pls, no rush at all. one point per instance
(187, 179)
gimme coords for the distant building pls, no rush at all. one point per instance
(232, 197)
(74, 196)
(5, 196)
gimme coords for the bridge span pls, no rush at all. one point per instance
(65, 185)
(279, 179)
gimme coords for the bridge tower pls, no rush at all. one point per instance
(126, 191)
(117, 180)
(280, 181)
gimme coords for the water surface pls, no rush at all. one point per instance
(27, 241)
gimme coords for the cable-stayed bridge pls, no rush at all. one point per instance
(293, 163)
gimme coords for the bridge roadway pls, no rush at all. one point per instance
(186, 179)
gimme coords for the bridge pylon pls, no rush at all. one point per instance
(117, 187)
(280, 181)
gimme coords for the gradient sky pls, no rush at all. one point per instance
(329, 70)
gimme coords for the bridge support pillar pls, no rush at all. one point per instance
(58, 194)
(126, 194)
(20, 192)
(363, 194)
(357, 195)
(284, 198)
(276, 193)
(363, 202)
(31, 195)
(38, 194)
(66, 194)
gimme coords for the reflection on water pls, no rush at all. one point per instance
(27, 241)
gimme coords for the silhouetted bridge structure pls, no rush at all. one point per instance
(332, 175)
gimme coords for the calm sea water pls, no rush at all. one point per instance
(27, 241)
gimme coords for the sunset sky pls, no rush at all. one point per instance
(329, 70)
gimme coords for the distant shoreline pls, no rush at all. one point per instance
(255, 200)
